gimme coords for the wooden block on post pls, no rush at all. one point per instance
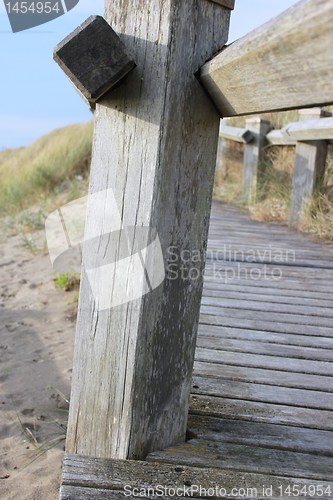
(309, 169)
(94, 58)
(153, 167)
(229, 4)
(252, 157)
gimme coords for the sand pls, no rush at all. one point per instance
(36, 348)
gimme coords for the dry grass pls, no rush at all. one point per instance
(275, 181)
(228, 180)
(318, 217)
(38, 174)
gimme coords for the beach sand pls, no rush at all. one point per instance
(36, 348)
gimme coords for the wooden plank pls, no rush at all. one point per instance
(279, 437)
(94, 58)
(262, 393)
(254, 411)
(116, 474)
(249, 241)
(279, 138)
(258, 254)
(284, 286)
(266, 337)
(265, 326)
(152, 167)
(261, 298)
(264, 361)
(252, 288)
(285, 263)
(257, 73)
(252, 347)
(202, 453)
(268, 316)
(252, 237)
(250, 305)
(263, 376)
(74, 492)
(288, 269)
(310, 130)
(236, 134)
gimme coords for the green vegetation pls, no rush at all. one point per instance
(67, 282)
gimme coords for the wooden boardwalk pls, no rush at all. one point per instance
(261, 413)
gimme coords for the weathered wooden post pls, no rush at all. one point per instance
(221, 162)
(253, 156)
(223, 150)
(154, 156)
(309, 168)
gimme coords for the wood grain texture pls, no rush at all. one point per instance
(312, 130)
(261, 409)
(279, 138)
(267, 337)
(269, 307)
(155, 145)
(268, 376)
(256, 411)
(85, 477)
(270, 325)
(252, 347)
(94, 58)
(269, 69)
(244, 458)
(275, 436)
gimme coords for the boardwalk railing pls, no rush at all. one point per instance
(154, 156)
(310, 135)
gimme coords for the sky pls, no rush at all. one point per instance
(36, 97)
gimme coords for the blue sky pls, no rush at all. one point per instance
(36, 96)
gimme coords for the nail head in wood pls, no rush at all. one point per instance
(94, 58)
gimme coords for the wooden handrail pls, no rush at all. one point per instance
(285, 64)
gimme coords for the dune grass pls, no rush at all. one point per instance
(54, 164)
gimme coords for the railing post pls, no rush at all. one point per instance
(309, 168)
(253, 156)
(222, 159)
(152, 176)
